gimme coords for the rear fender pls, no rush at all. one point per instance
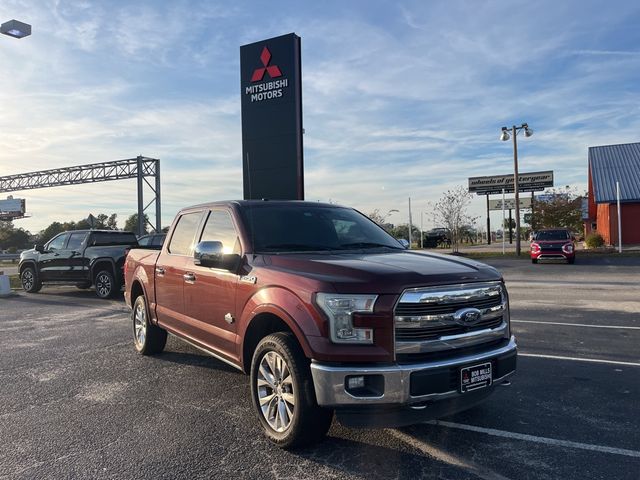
(141, 276)
(100, 261)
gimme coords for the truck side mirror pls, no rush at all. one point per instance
(39, 248)
(403, 242)
(210, 254)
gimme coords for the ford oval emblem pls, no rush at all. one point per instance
(467, 316)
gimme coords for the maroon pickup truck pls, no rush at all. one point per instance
(326, 312)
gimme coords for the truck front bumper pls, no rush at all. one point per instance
(409, 385)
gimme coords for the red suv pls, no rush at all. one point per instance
(553, 243)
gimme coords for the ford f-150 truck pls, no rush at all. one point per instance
(326, 313)
(80, 257)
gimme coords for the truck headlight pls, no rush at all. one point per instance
(340, 308)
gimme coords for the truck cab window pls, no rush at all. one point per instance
(57, 243)
(220, 228)
(184, 234)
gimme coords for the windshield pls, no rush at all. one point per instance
(552, 235)
(300, 228)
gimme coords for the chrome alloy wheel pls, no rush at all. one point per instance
(103, 285)
(140, 324)
(27, 279)
(276, 391)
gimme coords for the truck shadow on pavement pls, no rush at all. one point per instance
(405, 453)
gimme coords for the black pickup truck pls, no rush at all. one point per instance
(80, 257)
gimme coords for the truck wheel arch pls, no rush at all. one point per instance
(265, 323)
(29, 263)
(136, 290)
(103, 263)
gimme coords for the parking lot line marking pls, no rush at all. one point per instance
(536, 439)
(578, 359)
(576, 324)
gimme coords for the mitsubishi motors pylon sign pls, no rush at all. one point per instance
(271, 90)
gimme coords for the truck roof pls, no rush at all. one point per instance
(247, 203)
(95, 230)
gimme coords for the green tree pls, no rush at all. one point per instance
(12, 238)
(112, 222)
(51, 231)
(402, 231)
(131, 224)
(562, 210)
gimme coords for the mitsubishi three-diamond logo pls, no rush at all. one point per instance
(272, 70)
(266, 90)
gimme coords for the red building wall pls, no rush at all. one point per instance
(607, 218)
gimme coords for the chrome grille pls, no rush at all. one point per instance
(430, 333)
(421, 309)
(435, 318)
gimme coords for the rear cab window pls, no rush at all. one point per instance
(103, 239)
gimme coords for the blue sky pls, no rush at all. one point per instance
(400, 99)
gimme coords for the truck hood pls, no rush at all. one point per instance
(383, 273)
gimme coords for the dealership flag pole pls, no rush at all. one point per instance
(619, 219)
(503, 221)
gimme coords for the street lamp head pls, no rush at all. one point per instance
(505, 134)
(15, 29)
(528, 131)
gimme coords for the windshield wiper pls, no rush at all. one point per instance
(296, 247)
(357, 245)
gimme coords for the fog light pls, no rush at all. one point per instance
(364, 385)
(355, 382)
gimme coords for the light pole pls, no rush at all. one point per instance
(15, 29)
(504, 137)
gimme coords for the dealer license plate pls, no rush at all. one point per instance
(475, 377)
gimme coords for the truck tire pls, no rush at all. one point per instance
(148, 338)
(534, 260)
(106, 286)
(283, 395)
(29, 280)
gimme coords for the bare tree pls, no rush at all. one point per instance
(451, 212)
(381, 218)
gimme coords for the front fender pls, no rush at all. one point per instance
(298, 315)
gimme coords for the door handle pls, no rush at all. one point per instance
(189, 277)
(160, 270)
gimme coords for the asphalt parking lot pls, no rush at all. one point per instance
(78, 402)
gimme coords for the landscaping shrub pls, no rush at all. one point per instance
(594, 240)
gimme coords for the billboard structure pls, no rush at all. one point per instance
(12, 208)
(271, 91)
(496, 184)
(527, 182)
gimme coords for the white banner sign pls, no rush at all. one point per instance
(509, 203)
